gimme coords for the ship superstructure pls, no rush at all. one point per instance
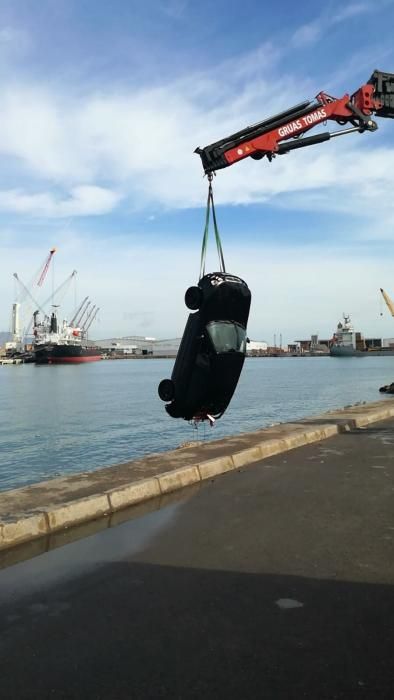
(54, 342)
(346, 341)
(60, 343)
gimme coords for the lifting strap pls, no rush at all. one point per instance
(211, 205)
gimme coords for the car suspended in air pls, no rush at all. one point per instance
(212, 350)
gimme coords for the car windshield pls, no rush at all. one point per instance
(227, 336)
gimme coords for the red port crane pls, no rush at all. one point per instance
(46, 267)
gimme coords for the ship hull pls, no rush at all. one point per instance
(344, 351)
(66, 354)
(337, 351)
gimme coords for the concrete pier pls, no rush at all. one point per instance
(47, 507)
(273, 580)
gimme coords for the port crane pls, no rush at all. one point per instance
(79, 309)
(46, 267)
(17, 332)
(387, 388)
(284, 132)
(63, 287)
(389, 302)
(90, 320)
(84, 313)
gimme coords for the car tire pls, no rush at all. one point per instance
(193, 298)
(166, 390)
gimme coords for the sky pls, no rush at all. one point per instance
(101, 108)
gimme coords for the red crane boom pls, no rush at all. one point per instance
(281, 133)
(46, 267)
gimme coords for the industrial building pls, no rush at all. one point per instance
(141, 345)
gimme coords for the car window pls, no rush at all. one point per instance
(227, 336)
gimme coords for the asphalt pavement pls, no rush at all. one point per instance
(274, 581)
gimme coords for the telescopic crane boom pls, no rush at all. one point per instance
(282, 133)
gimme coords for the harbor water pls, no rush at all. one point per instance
(59, 420)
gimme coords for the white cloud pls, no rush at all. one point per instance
(81, 201)
(311, 32)
(79, 152)
(352, 10)
(141, 144)
(307, 34)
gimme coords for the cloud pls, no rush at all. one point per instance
(337, 167)
(141, 142)
(82, 201)
(141, 145)
(353, 10)
(140, 289)
(311, 32)
(175, 9)
(307, 34)
(81, 153)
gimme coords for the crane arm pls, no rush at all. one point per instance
(46, 267)
(25, 289)
(87, 326)
(63, 286)
(79, 309)
(91, 311)
(79, 320)
(281, 133)
(390, 304)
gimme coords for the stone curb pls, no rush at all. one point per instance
(137, 492)
(178, 479)
(23, 529)
(78, 511)
(52, 519)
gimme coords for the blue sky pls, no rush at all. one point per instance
(101, 107)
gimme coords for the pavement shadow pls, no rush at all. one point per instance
(137, 630)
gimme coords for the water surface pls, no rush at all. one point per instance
(58, 420)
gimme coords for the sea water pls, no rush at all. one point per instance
(57, 420)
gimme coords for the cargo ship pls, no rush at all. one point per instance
(347, 342)
(63, 343)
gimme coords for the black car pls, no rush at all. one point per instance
(212, 351)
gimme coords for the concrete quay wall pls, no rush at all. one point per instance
(57, 504)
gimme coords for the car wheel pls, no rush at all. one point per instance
(166, 390)
(193, 298)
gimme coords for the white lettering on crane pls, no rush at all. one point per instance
(302, 123)
(290, 128)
